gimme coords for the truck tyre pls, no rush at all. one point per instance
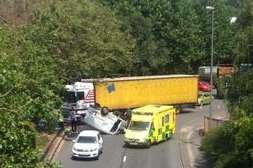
(168, 136)
(97, 105)
(104, 111)
(178, 109)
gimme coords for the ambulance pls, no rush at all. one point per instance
(150, 124)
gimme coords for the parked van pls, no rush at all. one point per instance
(150, 124)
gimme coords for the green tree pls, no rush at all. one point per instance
(28, 93)
(244, 47)
(173, 36)
(64, 40)
(84, 39)
(230, 145)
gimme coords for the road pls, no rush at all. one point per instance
(181, 151)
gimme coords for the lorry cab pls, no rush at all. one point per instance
(150, 124)
(78, 96)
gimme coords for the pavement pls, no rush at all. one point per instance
(181, 151)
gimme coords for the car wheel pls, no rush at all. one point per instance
(104, 111)
(126, 145)
(148, 144)
(73, 158)
(96, 158)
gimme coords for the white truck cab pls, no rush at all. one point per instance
(79, 96)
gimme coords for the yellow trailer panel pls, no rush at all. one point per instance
(129, 92)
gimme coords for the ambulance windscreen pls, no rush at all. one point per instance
(139, 125)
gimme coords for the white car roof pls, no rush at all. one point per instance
(88, 133)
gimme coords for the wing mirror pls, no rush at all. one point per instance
(100, 141)
(73, 140)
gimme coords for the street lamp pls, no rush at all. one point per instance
(211, 8)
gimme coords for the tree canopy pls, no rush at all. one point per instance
(63, 41)
(44, 45)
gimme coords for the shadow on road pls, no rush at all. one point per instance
(83, 159)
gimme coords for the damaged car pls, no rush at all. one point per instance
(104, 121)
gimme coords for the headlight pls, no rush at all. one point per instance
(74, 149)
(92, 150)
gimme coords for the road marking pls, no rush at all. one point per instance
(188, 132)
(124, 159)
(185, 129)
(189, 149)
(58, 149)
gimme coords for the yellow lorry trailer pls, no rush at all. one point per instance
(150, 124)
(131, 92)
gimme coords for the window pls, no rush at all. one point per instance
(162, 121)
(80, 96)
(69, 97)
(160, 131)
(151, 128)
(86, 139)
(167, 118)
(138, 125)
(72, 97)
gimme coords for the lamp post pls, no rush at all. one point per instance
(211, 8)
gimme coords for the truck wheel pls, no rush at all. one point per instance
(97, 105)
(104, 111)
(167, 136)
(178, 109)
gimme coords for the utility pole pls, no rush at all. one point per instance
(211, 8)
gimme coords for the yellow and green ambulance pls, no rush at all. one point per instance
(150, 124)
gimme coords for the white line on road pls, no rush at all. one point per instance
(58, 149)
(189, 149)
(185, 129)
(188, 132)
(124, 159)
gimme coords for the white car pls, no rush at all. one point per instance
(88, 144)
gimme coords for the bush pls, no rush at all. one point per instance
(230, 145)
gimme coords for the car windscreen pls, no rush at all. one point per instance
(139, 125)
(79, 96)
(72, 97)
(69, 97)
(86, 139)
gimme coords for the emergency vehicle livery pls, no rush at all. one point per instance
(150, 124)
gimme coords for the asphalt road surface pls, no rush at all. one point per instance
(181, 151)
